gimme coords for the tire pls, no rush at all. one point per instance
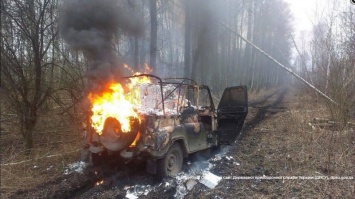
(112, 137)
(171, 164)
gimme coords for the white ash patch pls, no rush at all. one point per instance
(77, 167)
(180, 191)
(227, 159)
(190, 184)
(210, 180)
(216, 158)
(137, 190)
(196, 172)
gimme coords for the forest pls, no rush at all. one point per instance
(53, 52)
(175, 38)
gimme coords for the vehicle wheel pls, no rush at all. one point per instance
(98, 159)
(171, 164)
(112, 137)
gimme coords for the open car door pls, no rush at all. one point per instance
(231, 113)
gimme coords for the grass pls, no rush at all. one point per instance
(57, 141)
(315, 150)
(293, 146)
(288, 143)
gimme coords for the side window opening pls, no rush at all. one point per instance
(191, 97)
(204, 99)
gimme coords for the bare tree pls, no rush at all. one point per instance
(27, 38)
(333, 61)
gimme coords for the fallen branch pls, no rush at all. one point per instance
(214, 97)
(281, 65)
(323, 120)
(326, 122)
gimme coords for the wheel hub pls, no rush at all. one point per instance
(172, 162)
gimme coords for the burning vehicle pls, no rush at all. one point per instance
(161, 121)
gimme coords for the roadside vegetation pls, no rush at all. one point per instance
(293, 136)
(45, 81)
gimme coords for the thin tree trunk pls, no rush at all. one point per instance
(153, 33)
(187, 54)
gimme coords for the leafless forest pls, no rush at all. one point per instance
(53, 52)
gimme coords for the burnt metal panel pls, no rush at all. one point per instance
(231, 113)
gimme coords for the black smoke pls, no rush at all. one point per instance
(90, 26)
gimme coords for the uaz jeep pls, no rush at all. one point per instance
(177, 117)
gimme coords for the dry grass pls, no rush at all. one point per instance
(285, 144)
(302, 148)
(288, 143)
(57, 140)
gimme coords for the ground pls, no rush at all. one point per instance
(288, 134)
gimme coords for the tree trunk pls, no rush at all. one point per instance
(187, 57)
(29, 120)
(194, 67)
(28, 139)
(153, 33)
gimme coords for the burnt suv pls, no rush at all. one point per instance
(177, 118)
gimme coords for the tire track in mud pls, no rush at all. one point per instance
(264, 99)
(263, 109)
(63, 186)
(114, 180)
(264, 106)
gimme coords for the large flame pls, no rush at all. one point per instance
(115, 102)
(111, 103)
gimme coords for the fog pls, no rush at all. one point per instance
(191, 42)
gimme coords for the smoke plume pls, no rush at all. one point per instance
(90, 26)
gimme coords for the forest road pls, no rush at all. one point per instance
(116, 180)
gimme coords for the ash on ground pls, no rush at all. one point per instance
(77, 167)
(196, 172)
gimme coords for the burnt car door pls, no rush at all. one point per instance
(231, 113)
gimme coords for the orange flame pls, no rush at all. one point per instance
(111, 103)
(114, 102)
(99, 182)
(136, 139)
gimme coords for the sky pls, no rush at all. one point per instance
(309, 12)
(304, 12)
